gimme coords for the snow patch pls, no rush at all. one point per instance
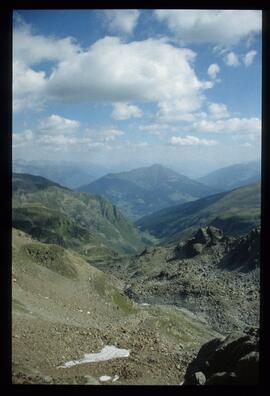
(105, 378)
(107, 353)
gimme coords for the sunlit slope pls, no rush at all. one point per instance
(55, 214)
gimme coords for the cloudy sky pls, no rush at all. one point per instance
(136, 87)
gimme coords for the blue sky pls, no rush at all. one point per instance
(134, 87)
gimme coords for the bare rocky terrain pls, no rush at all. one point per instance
(167, 303)
(214, 276)
(64, 308)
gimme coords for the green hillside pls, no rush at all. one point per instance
(142, 191)
(236, 212)
(54, 214)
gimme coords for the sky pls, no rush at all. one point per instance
(128, 88)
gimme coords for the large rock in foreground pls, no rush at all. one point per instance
(233, 360)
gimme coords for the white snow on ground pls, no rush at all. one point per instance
(105, 378)
(107, 353)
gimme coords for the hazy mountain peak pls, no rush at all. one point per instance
(233, 176)
(144, 190)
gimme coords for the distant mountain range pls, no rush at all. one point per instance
(236, 212)
(233, 176)
(65, 173)
(145, 190)
(87, 223)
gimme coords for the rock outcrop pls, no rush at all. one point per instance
(233, 360)
(204, 237)
(244, 253)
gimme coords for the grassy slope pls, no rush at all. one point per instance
(55, 214)
(236, 212)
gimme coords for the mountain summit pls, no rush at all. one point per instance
(145, 190)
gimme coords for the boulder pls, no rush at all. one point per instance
(247, 368)
(222, 378)
(197, 378)
(202, 236)
(208, 235)
(233, 360)
(193, 249)
(216, 234)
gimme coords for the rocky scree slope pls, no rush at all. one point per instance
(213, 275)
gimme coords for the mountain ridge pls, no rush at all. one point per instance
(233, 176)
(236, 212)
(67, 174)
(50, 211)
(144, 190)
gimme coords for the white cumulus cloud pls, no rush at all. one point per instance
(222, 27)
(28, 50)
(235, 125)
(27, 87)
(55, 124)
(58, 140)
(249, 57)
(121, 21)
(231, 59)
(110, 134)
(150, 70)
(191, 141)
(213, 70)
(116, 71)
(124, 111)
(23, 138)
(218, 110)
(31, 48)
(105, 134)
